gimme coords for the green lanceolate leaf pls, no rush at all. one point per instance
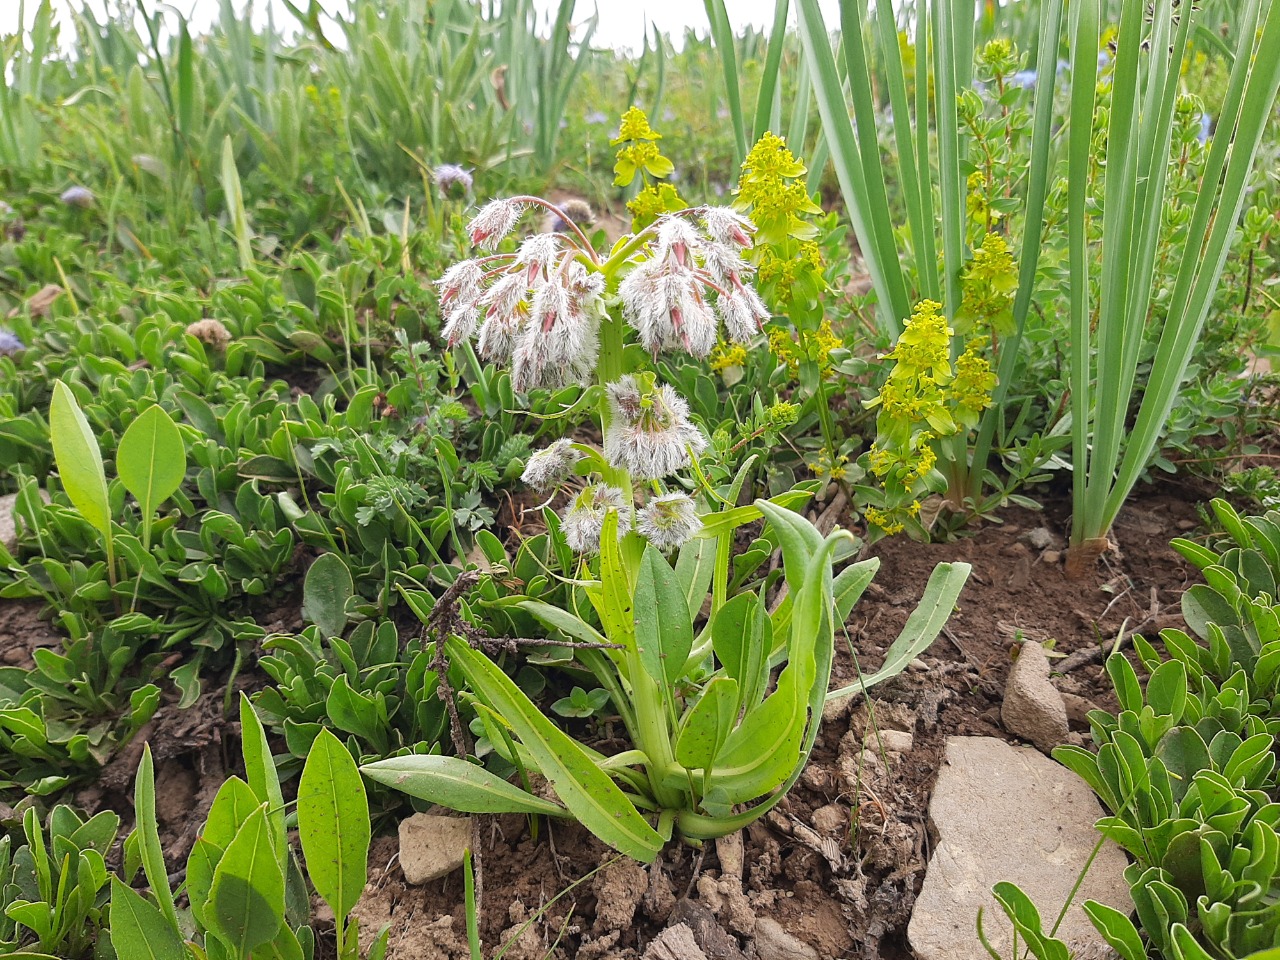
(663, 627)
(589, 794)
(149, 837)
(152, 462)
(79, 460)
(458, 785)
(325, 593)
(333, 822)
(922, 627)
(234, 802)
(246, 901)
(707, 725)
(742, 636)
(139, 929)
(260, 767)
(616, 604)
(564, 621)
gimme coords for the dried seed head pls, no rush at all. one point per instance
(550, 466)
(669, 521)
(211, 332)
(649, 432)
(461, 282)
(537, 254)
(496, 219)
(582, 523)
(559, 344)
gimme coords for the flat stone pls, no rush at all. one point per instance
(674, 943)
(774, 942)
(1009, 813)
(1033, 707)
(431, 846)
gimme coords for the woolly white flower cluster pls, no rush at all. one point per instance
(649, 435)
(665, 297)
(539, 308)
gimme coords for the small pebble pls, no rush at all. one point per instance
(897, 741)
(1051, 556)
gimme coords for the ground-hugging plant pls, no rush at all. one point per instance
(248, 899)
(1187, 768)
(53, 888)
(710, 732)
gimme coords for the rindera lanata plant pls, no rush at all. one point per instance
(715, 743)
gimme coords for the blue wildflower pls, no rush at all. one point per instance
(1206, 127)
(77, 197)
(452, 180)
(596, 117)
(1026, 79)
(10, 344)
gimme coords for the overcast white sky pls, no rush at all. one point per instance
(621, 21)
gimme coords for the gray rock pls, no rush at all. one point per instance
(896, 741)
(774, 943)
(1041, 538)
(674, 943)
(1033, 707)
(711, 938)
(8, 526)
(1008, 813)
(432, 846)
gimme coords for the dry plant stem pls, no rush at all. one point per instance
(1082, 557)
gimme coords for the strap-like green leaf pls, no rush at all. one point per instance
(922, 627)
(260, 767)
(707, 724)
(458, 785)
(75, 450)
(144, 801)
(590, 795)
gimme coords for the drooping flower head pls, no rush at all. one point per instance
(551, 465)
(668, 296)
(452, 180)
(582, 523)
(649, 434)
(496, 219)
(668, 521)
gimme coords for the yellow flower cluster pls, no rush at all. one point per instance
(830, 468)
(974, 380)
(804, 345)
(725, 355)
(772, 191)
(638, 154)
(634, 125)
(988, 282)
(977, 200)
(922, 399)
